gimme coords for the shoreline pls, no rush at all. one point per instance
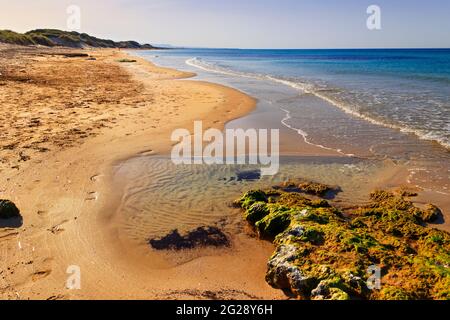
(66, 194)
(415, 171)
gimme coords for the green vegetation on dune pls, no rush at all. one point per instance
(11, 37)
(323, 254)
(54, 37)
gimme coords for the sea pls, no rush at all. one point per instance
(406, 89)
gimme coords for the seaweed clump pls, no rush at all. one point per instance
(200, 237)
(322, 254)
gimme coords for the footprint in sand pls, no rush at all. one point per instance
(57, 297)
(44, 269)
(40, 275)
(95, 177)
(56, 229)
(93, 195)
(42, 213)
(148, 152)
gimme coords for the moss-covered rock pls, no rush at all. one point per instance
(283, 273)
(431, 213)
(320, 254)
(318, 189)
(394, 293)
(251, 197)
(332, 289)
(312, 188)
(275, 222)
(8, 210)
(256, 212)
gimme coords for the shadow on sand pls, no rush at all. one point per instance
(16, 222)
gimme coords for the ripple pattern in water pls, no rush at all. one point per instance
(159, 196)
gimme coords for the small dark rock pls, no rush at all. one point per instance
(200, 237)
(250, 175)
(8, 210)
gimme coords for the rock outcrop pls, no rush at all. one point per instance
(322, 253)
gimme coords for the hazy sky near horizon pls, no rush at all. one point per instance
(243, 23)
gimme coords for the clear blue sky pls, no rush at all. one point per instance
(244, 23)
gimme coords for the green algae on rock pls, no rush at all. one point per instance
(308, 187)
(323, 254)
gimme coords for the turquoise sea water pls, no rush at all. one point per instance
(407, 89)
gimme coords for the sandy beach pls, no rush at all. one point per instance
(203, 158)
(69, 123)
(71, 119)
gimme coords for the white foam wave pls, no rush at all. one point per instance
(305, 135)
(205, 66)
(310, 89)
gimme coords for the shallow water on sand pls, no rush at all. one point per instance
(159, 196)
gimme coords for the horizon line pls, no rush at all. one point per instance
(330, 48)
